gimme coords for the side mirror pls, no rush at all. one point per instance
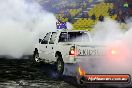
(40, 40)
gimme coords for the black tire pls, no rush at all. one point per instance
(35, 56)
(59, 66)
(39, 62)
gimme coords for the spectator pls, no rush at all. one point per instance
(125, 5)
(101, 18)
(93, 17)
(125, 13)
(109, 9)
(107, 1)
(69, 17)
(85, 15)
(111, 12)
(121, 17)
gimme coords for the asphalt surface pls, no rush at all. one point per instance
(24, 73)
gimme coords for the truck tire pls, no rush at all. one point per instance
(36, 57)
(59, 65)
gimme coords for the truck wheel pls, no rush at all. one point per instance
(59, 65)
(36, 57)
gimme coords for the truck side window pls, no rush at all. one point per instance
(46, 38)
(73, 37)
(63, 37)
(52, 39)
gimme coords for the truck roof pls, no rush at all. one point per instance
(66, 30)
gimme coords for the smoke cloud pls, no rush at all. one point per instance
(110, 35)
(21, 23)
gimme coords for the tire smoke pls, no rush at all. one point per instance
(110, 34)
(22, 22)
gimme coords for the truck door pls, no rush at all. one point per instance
(52, 46)
(44, 51)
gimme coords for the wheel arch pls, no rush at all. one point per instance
(36, 50)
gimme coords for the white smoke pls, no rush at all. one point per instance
(21, 23)
(107, 31)
(110, 34)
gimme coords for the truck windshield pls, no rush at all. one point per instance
(73, 37)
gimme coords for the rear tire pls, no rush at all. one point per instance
(59, 66)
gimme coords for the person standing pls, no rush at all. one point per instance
(93, 17)
(101, 18)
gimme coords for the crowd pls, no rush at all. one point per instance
(121, 10)
(71, 8)
(93, 17)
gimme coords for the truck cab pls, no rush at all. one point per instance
(60, 47)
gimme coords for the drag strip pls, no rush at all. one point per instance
(24, 73)
(21, 73)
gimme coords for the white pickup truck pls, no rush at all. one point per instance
(65, 47)
(73, 48)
